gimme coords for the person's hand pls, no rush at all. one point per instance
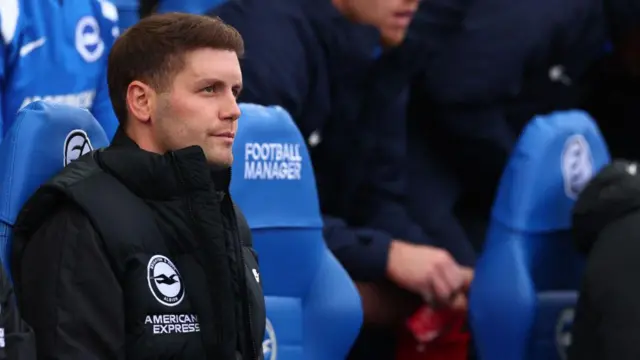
(467, 274)
(428, 271)
(460, 301)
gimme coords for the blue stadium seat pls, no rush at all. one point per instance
(524, 291)
(313, 307)
(188, 6)
(44, 138)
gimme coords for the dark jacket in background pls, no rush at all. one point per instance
(130, 254)
(623, 18)
(473, 100)
(346, 98)
(606, 228)
(427, 182)
(614, 96)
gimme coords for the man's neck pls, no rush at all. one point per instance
(143, 141)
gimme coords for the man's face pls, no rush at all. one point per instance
(201, 108)
(391, 17)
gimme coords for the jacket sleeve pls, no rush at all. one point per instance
(362, 251)
(387, 181)
(68, 292)
(389, 191)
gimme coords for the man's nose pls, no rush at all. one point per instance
(230, 109)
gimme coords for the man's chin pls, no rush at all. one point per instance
(392, 38)
(220, 162)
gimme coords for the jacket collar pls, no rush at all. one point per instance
(157, 176)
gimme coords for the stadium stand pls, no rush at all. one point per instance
(313, 307)
(527, 278)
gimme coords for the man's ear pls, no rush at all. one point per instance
(140, 99)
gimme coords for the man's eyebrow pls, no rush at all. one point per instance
(209, 81)
(216, 81)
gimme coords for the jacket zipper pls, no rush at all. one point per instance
(249, 308)
(244, 288)
(241, 257)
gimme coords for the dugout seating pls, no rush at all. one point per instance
(526, 281)
(313, 307)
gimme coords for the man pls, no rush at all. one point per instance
(137, 251)
(56, 51)
(325, 62)
(320, 60)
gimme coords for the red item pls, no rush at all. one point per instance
(434, 335)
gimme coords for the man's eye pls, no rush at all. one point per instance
(209, 89)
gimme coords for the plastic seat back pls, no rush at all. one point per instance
(313, 307)
(527, 277)
(43, 139)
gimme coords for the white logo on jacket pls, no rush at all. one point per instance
(162, 324)
(164, 281)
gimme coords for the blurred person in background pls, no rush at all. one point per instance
(56, 51)
(510, 61)
(335, 67)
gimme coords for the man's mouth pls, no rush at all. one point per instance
(403, 18)
(226, 134)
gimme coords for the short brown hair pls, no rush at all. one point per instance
(152, 51)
